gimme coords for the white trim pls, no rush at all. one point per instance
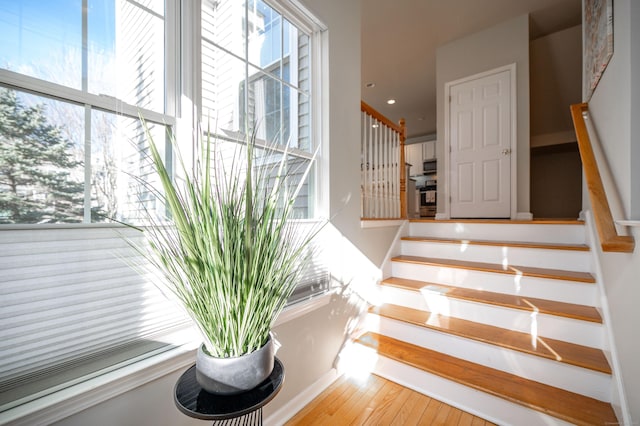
(59, 405)
(25, 83)
(394, 249)
(381, 223)
(514, 135)
(293, 406)
(628, 222)
(523, 216)
(618, 397)
(299, 15)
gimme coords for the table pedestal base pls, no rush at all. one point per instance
(252, 419)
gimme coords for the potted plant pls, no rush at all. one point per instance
(231, 253)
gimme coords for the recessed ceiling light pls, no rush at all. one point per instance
(371, 85)
(391, 101)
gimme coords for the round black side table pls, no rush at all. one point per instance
(239, 409)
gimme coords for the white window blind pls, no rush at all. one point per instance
(71, 306)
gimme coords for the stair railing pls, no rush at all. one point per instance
(382, 164)
(609, 238)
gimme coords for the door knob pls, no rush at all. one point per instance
(506, 151)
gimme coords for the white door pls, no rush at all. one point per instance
(480, 131)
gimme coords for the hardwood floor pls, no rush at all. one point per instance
(376, 401)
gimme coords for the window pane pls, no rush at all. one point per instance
(126, 51)
(222, 89)
(125, 46)
(42, 39)
(266, 169)
(119, 160)
(41, 160)
(265, 41)
(301, 63)
(223, 23)
(301, 121)
(295, 168)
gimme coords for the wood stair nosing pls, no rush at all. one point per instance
(527, 271)
(565, 405)
(540, 221)
(551, 349)
(513, 244)
(529, 304)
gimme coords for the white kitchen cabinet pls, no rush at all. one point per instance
(413, 156)
(417, 153)
(429, 150)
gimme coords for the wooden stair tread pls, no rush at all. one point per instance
(529, 304)
(540, 221)
(568, 406)
(515, 244)
(528, 271)
(565, 352)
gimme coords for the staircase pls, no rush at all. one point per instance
(498, 318)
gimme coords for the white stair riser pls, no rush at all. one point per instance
(552, 327)
(492, 408)
(568, 260)
(550, 372)
(543, 288)
(563, 234)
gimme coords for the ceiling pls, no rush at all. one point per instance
(400, 38)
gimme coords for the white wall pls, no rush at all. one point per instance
(615, 108)
(502, 44)
(343, 20)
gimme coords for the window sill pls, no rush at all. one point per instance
(73, 399)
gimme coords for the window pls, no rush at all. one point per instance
(256, 78)
(75, 75)
(75, 78)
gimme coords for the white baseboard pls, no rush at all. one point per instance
(286, 412)
(524, 216)
(442, 216)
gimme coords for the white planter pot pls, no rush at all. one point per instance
(234, 375)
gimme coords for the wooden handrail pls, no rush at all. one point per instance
(381, 118)
(609, 238)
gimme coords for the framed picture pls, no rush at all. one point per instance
(598, 42)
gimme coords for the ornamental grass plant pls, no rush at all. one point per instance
(232, 251)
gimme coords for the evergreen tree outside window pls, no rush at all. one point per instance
(40, 175)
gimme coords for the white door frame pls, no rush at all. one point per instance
(514, 138)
